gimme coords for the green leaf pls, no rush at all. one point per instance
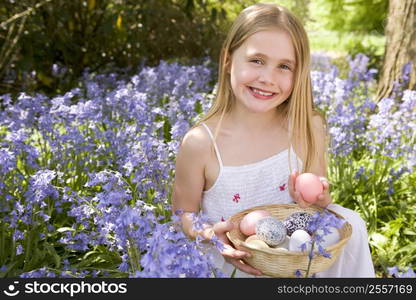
(378, 240)
(51, 250)
(63, 229)
(409, 232)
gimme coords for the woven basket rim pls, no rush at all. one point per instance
(278, 252)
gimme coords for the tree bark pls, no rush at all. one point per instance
(400, 47)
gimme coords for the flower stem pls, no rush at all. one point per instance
(310, 259)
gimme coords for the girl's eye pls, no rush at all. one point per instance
(257, 61)
(285, 67)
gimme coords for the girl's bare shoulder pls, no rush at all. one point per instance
(196, 142)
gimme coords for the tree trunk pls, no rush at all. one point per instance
(400, 46)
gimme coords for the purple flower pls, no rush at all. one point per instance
(397, 273)
(171, 254)
(19, 249)
(7, 160)
(39, 273)
(321, 224)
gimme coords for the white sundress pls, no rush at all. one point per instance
(266, 182)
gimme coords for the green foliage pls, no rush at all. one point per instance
(359, 16)
(390, 216)
(60, 39)
(300, 8)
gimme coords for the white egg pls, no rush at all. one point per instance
(298, 238)
(331, 238)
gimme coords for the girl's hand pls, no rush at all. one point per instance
(324, 199)
(232, 255)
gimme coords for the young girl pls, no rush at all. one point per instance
(261, 126)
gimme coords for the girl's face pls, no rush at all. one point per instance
(262, 70)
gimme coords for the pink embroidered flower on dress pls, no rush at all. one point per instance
(282, 187)
(236, 197)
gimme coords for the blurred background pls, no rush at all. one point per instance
(46, 45)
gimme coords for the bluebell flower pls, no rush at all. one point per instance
(19, 249)
(397, 273)
(39, 273)
(321, 224)
(172, 254)
(7, 160)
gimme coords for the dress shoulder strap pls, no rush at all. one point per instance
(217, 152)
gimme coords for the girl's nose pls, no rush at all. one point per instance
(268, 76)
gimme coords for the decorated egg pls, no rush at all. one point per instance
(283, 245)
(309, 186)
(330, 238)
(252, 237)
(271, 230)
(297, 220)
(255, 242)
(248, 222)
(297, 239)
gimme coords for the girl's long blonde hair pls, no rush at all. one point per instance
(298, 108)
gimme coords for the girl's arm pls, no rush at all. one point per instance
(318, 166)
(189, 180)
(187, 194)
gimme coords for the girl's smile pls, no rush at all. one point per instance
(261, 94)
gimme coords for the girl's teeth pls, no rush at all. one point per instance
(262, 93)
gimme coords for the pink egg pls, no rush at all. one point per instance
(309, 186)
(248, 222)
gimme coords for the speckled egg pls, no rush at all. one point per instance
(297, 220)
(271, 230)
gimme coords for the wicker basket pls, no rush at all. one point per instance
(280, 263)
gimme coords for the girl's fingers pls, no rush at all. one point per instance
(230, 252)
(303, 204)
(291, 184)
(325, 183)
(221, 228)
(321, 197)
(299, 200)
(292, 179)
(323, 201)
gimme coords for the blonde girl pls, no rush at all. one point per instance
(261, 131)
